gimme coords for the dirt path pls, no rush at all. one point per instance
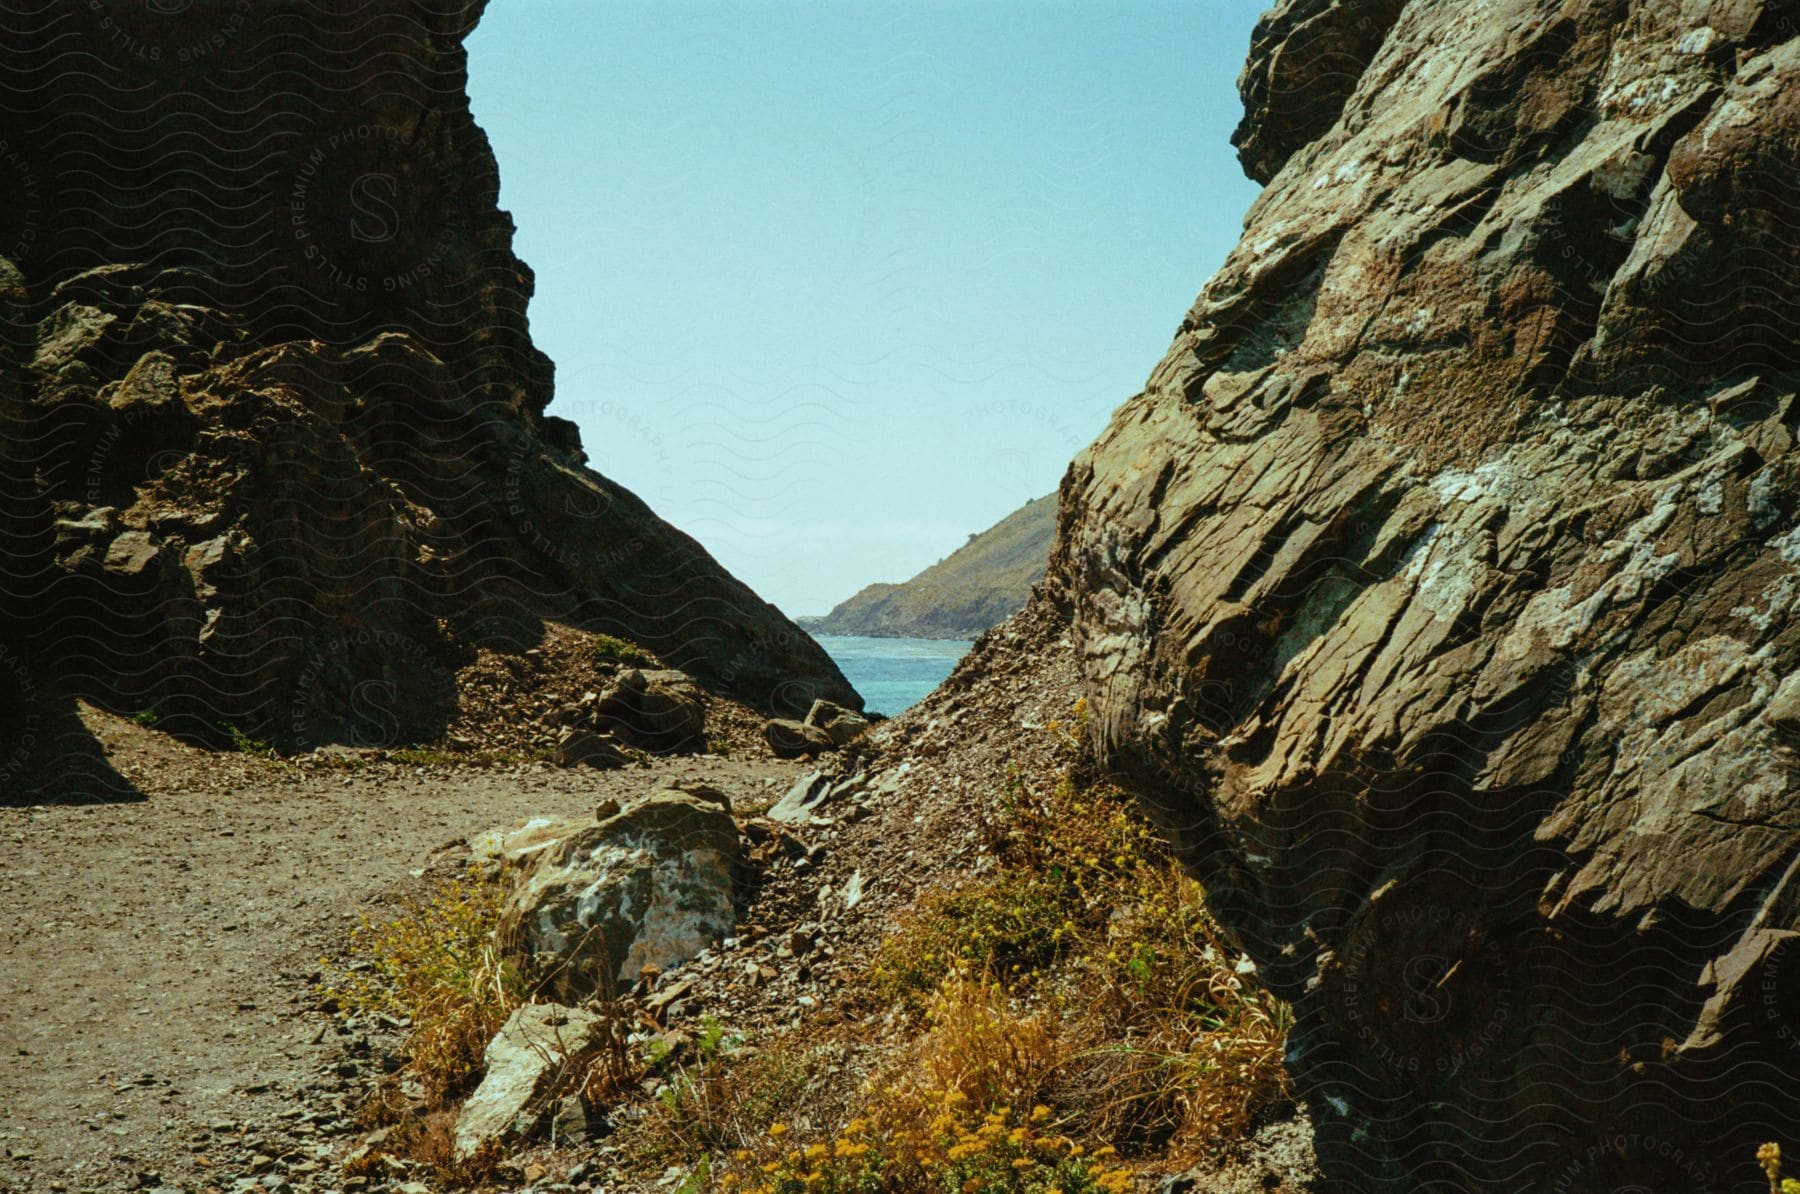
(155, 1022)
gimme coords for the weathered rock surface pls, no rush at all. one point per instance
(519, 845)
(798, 803)
(276, 449)
(523, 1061)
(1437, 592)
(841, 725)
(648, 886)
(576, 747)
(660, 710)
(791, 739)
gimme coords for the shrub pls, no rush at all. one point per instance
(433, 962)
(243, 743)
(724, 1099)
(1163, 1036)
(1014, 924)
(608, 649)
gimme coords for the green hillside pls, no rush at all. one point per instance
(981, 583)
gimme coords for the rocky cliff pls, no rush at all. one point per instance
(1437, 592)
(975, 587)
(275, 427)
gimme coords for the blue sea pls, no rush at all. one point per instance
(893, 674)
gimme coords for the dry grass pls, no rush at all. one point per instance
(979, 1046)
(951, 1115)
(1084, 980)
(432, 962)
(1165, 1041)
(724, 1099)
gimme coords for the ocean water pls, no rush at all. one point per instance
(893, 674)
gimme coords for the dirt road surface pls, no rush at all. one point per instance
(157, 1027)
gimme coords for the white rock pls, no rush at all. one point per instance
(522, 1061)
(650, 886)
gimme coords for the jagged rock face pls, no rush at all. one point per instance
(1437, 591)
(276, 450)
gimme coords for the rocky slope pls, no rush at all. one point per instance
(1436, 592)
(276, 453)
(975, 587)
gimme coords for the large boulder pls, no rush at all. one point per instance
(841, 725)
(1437, 593)
(791, 739)
(650, 885)
(659, 710)
(524, 1063)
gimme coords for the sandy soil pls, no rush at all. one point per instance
(156, 1025)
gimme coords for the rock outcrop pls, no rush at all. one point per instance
(276, 449)
(1437, 592)
(974, 588)
(648, 885)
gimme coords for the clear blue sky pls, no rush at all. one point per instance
(832, 286)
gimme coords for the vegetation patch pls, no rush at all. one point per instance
(245, 744)
(1769, 1155)
(431, 965)
(608, 649)
(724, 1098)
(1074, 1013)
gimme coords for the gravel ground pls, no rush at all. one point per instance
(156, 1025)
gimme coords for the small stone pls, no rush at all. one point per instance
(579, 748)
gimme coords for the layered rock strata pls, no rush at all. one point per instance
(1437, 592)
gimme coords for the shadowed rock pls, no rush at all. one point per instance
(278, 454)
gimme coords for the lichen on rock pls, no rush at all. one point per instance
(1436, 592)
